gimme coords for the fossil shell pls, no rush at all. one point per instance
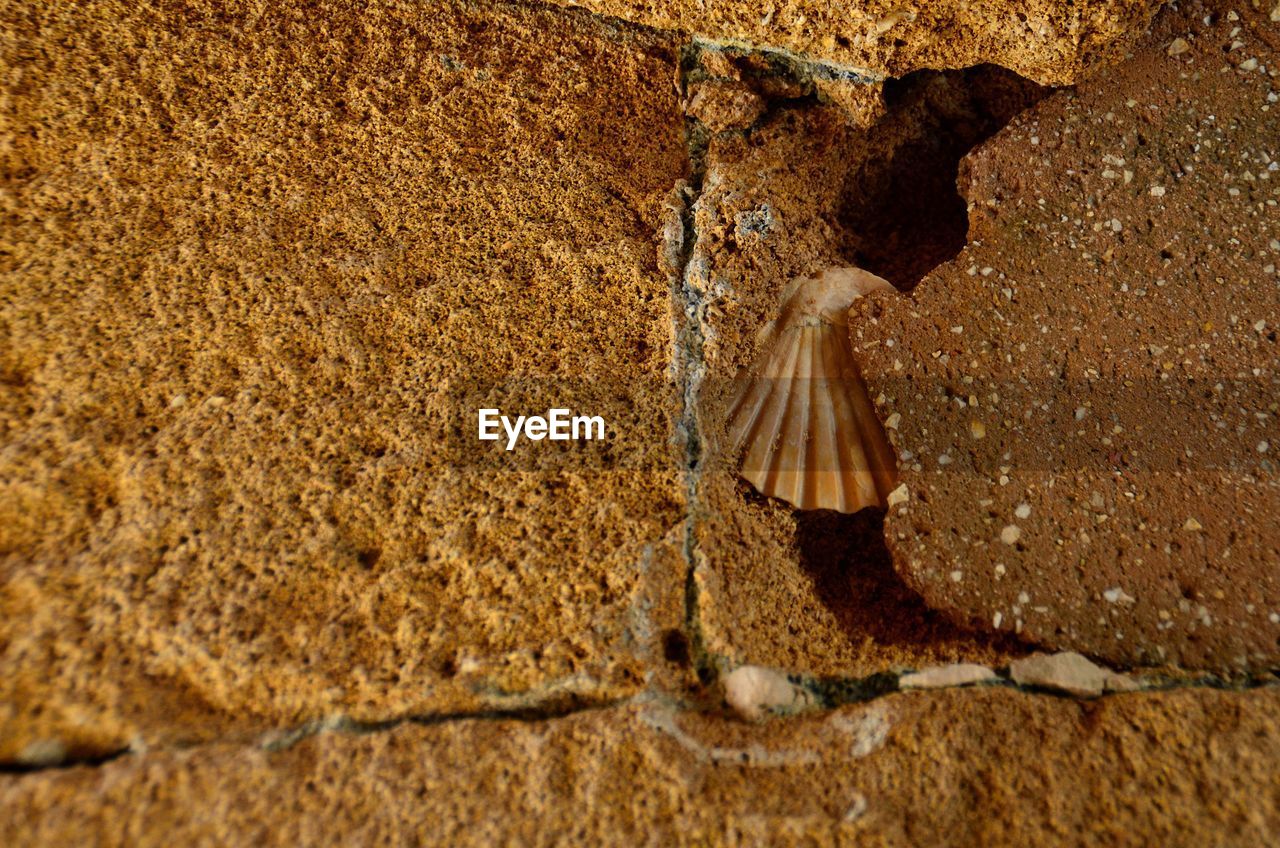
(801, 414)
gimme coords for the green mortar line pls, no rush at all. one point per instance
(688, 360)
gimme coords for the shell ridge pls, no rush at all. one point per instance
(783, 475)
(811, 476)
(760, 450)
(803, 420)
(749, 402)
(880, 462)
(758, 388)
(801, 425)
(835, 475)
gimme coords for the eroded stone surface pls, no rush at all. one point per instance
(260, 269)
(1087, 394)
(961, 767)
(1047, 40)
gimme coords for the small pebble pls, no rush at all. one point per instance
(1118, 596)
(1067, 672)
(753, 691)
(945, 676)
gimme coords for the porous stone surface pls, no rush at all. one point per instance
(1050, 41)
(1086, 395)
(962, 767)
(259, 582)
(260, 269)
(810, 186)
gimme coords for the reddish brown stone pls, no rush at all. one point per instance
(1088, 392)
(260, 270)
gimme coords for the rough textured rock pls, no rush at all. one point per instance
(260, 267)
(964, 767)
(724, 104)
(1087, 393)
(1047, 40)
(262, 263)
(754, 691)
(804, 189)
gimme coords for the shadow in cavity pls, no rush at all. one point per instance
(853, 576)
(901, 207)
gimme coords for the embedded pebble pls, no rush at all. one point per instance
(944, 676)
(1067, 672)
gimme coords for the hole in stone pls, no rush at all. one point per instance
(902, 210)
(675, 648)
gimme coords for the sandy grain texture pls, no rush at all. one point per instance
(260, 267)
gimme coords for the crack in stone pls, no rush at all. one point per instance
(789, 63)
(831, 692)
(555, 707)
(688, 287)
(92, 761)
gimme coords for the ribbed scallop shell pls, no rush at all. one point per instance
(801, 415)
